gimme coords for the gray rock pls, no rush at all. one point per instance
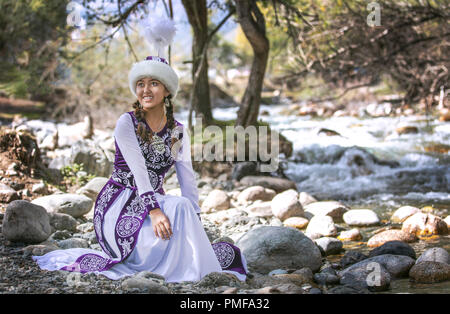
(38, 249)
(268, 247)
(398, 266)
(26, 222)
(40, 188)
(371, 276)
(326, 279)
(216, 200)
(242, 169)
(361, 217)
(93, 187)
(60, 235)
(352, 257)
(145, 283)
(62, 222)
(254, 193)
(429, 272)
(7, 194)
(260, 209)
(328, 208)
(86, 227)
(72, 204)
(72, 243)
(402, 213)
(277, 272)
(286, 205)
(321, 226)
(395, 248)
(435, 254)
(306, 198)
(277, 184)
(329, 246)
(95, 159)
(215, 279)
(344, 289)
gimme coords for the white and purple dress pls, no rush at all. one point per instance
(123, 226)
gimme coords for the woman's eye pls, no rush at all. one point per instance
(155, 83)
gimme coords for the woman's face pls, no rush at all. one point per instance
(150, 92)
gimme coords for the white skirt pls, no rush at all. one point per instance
(186, 256)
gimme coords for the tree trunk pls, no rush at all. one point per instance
(197, 14)
(253, 24)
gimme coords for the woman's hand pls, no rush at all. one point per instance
(161, 224)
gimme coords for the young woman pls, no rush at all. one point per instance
(138, 227)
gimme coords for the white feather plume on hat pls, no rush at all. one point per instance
(159, 33)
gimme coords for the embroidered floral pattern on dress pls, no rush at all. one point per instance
(126, 246)
(135, 209)
(123, 177)
(149, 200)
(225, 254)
(127, 226)
(105, 197)
(92, 262)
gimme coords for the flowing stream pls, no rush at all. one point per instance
(368, 164)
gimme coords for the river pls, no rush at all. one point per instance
(368, 164)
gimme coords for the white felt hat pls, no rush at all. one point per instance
(159, 33)
(157, 68)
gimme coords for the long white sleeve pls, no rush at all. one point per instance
(126, 139)
(185, 172)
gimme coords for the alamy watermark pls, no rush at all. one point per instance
(373, 279)
(374, 17)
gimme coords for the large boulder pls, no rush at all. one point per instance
(286, 204)
(26, 222)
(72, 204)
(268, 247)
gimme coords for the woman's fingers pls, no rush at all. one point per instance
(168, 228)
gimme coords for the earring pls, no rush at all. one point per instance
(167, 102)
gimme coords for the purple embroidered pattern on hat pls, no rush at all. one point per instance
(160, 59)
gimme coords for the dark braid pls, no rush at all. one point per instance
(147, 134)
(170, 120)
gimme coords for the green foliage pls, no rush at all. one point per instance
(75, 175)
(32, 33)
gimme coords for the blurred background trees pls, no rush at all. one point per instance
(301, 50)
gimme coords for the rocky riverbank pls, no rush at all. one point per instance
(293, 242)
